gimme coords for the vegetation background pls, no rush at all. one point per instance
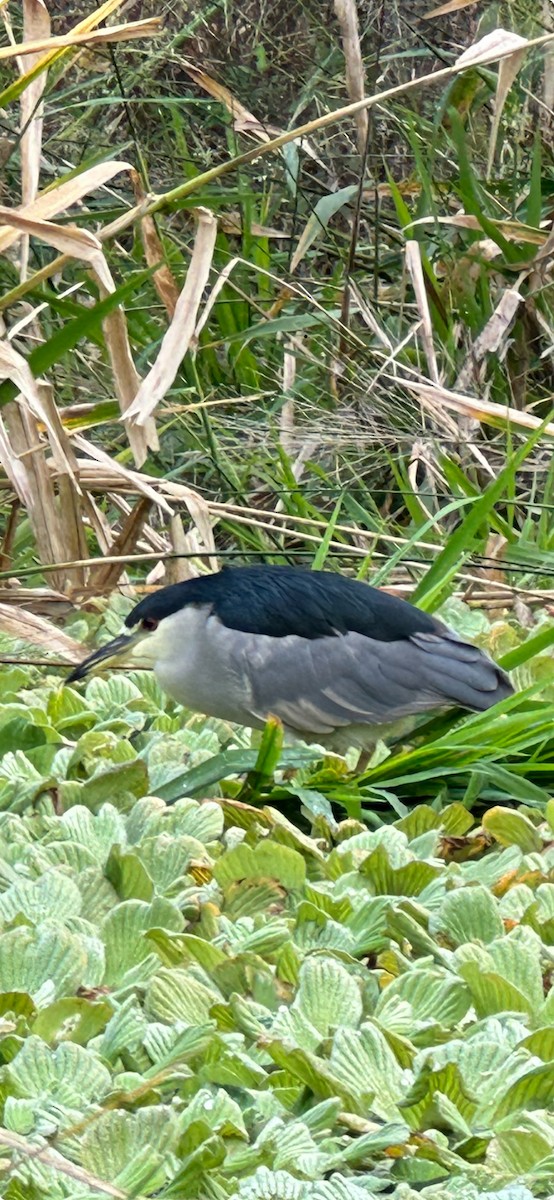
(276, 284)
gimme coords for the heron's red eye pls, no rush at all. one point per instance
(150, 624)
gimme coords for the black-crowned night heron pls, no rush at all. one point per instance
(334, 659)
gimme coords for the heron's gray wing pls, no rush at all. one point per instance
(317, 685)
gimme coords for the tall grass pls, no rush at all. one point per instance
(296, 334)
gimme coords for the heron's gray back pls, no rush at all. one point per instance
(320, 685)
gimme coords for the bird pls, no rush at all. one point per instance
(337, 661)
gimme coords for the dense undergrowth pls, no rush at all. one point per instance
(232, 968)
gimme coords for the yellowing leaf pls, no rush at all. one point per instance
(511, 828)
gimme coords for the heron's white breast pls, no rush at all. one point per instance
(202, 664)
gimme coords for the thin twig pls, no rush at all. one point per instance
(56, 1161)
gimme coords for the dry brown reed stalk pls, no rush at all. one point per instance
(346, 12)
(43, 458)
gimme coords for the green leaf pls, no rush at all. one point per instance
(128, 876)
(21, 734)
(534, 199)
(470, 190)
(266, 859)
(423, 1106)
(167, 859)
(313, 1072)
(130, 1149)
(368, 924)
(201, 1154)
(231, 1068)
(74, 1018)
(69, 1075)
(432, 996)
(123, 933)
(493, 994)
(319, 218)
(188, 818)
(512, 828)
(97, 833)
(408, 880)
(175, 995)
(529, 648)
(363, 1060)
(541, 1043)
(328, 996)
(130, 778)
(262, 330)
(220, 1112)
(109, 696)
(31, 958)
(67, 710)
(534, 1089)
(469, 915)
(124, 1032)
(517, 1151)
(272, 1185)
(55, 348)
(518, 958)
(230, 762)
(53, 896)
(419, 820)
(269, 753)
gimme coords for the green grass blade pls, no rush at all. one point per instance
(323, 549)
(52, 351)
(433, 587)
(528, 649)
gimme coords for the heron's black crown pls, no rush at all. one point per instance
(279, 600)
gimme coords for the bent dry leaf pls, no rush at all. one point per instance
(485, 411)
(79, 243)
(37, 631)
(450, 6)
(163, 278)
(415, 268)
(13, 366)
(243, 120)
(508, 70)
(30, 469)
(177, 339)
(64, 195)
(497, 44)
(116, 33)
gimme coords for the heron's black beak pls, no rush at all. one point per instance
(113, 652)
